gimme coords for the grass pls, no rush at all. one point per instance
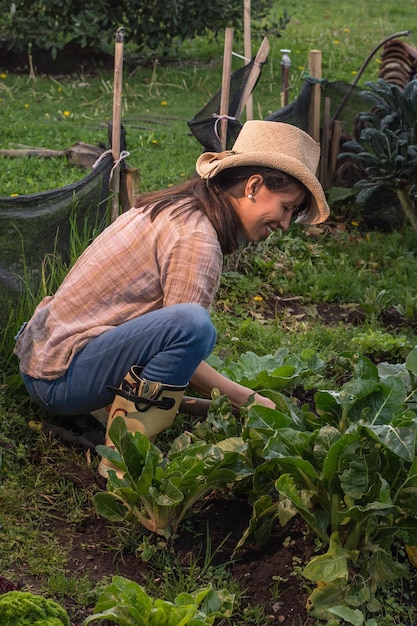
(157, 101)
(369, 270)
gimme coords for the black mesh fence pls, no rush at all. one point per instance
(35, 225)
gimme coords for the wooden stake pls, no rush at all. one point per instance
(247, 50)
(117, 119)
(260, 58)
(336, 132)
(314, 114)
(324, 156)
(227, 70)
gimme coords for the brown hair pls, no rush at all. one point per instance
(214, 197)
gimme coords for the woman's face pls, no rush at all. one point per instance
(265, 211)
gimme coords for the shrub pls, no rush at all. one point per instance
(50, 26)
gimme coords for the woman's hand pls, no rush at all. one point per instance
(258, 399)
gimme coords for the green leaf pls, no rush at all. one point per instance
(332, 463)
(411, 361)
(400, 441)
(109, 506)
(318, 520)
(264, 512)
(328, 406)
(351, 616)
(330, 566)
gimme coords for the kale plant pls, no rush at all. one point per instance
(387, 146)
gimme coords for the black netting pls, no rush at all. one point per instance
(343, 101)
(34, 225)
(345, 105)
(204, 125)
(297, 112)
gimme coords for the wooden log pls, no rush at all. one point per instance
(129, 187)
(81, 154)
(40, 153)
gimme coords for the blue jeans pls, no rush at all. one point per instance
(169, 343)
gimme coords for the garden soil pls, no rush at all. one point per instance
(268, 575)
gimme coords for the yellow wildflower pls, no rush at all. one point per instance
(3, 75)
(66, 113)
(258, 298)
(355, 223)
(336, 42)
(26, 106)
(164, 103)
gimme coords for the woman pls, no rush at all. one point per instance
(130, 326)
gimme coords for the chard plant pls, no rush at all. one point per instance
(350, 470)
(347, 466)
(126, 603)
(159, 490)
(278, 372)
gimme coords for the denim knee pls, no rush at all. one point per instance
(197, 321)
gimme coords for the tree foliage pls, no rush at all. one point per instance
(149, 24)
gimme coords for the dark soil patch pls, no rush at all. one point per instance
(266, 574)
(329, 313)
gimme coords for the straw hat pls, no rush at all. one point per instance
(277, 145)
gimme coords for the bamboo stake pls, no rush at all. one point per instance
(247, 50)
(117, 119)
(227, 70)
(314, 114)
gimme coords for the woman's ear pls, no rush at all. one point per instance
(252, 185)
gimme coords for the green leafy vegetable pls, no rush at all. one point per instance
(126, 603)
(22, 608)
(158, 491)
(352, 477)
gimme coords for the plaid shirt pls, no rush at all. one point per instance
(133, 267)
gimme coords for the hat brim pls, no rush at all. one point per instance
(209, 164)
